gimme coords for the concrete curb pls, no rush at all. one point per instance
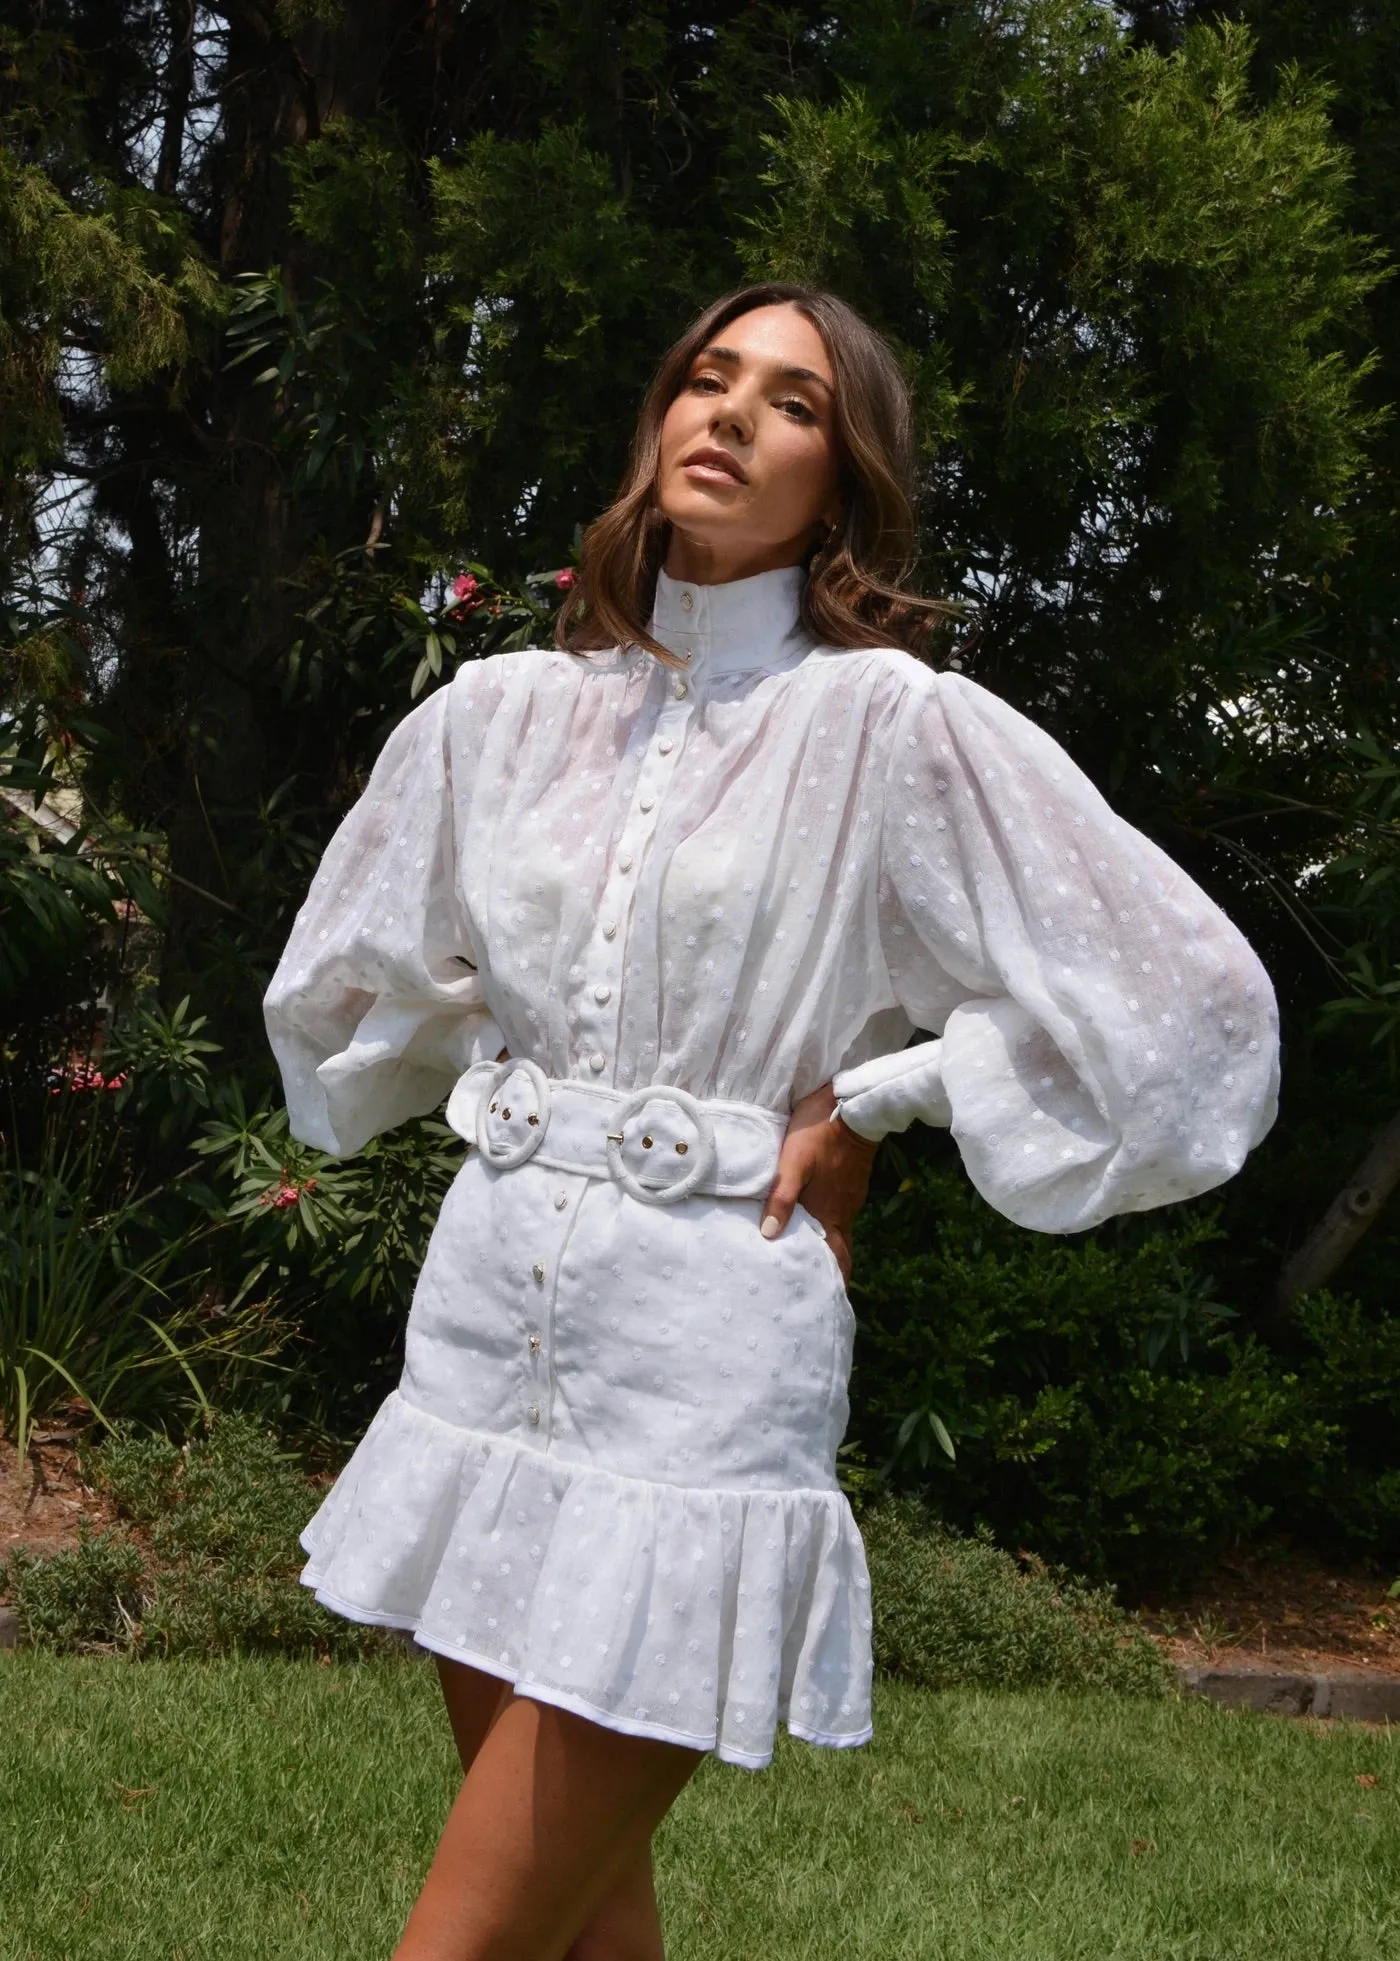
(1362, 1698)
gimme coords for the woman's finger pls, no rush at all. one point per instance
(785, 1192)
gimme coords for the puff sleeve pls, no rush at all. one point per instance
(1107, 1039)
(375, 1008)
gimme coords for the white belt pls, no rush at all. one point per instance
(659, 1143)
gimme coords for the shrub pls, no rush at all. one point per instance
(85, 1598)
(1101, 1404)
(99, 1301)
(955, 1612)
(205, 1560)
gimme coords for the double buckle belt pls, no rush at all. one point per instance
(660, 1144)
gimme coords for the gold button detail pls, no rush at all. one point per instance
(681, 1150)
(534, 1344)
(647, 1143)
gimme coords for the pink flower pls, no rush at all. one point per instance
(79, 1074)
(565, 579)
(463, 586)
(287, 1194)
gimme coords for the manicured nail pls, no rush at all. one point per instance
(771, 1227)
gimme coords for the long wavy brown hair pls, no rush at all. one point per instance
(854, 593)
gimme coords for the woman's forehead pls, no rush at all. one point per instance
(773, 336)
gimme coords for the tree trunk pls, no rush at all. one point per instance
(279, 91)
(1351, 1214)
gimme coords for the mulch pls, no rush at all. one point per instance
(1276, 1608)
(42, 1502)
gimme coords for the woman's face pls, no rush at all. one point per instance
(749, 467)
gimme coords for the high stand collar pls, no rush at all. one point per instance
(729, 628)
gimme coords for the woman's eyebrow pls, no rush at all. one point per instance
(735, 359)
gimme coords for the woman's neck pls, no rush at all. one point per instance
(701, 563)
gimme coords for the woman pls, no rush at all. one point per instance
(662, 908)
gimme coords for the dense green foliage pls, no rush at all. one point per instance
(953, 1612)
(1102, 1402)
(309, 309)
(204, 1560)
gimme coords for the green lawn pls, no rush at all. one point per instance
(271, 1811)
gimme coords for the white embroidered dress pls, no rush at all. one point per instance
(608, 1471)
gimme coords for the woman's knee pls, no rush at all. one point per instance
(626, 1926)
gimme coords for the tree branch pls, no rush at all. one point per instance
(1350, 1216)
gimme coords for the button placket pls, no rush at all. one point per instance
(597, 1002)
(555, 1225)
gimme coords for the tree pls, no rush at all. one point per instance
(413, 264)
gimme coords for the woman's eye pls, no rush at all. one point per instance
(799, 409)
(707, 381)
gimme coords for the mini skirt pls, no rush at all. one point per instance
(608, 1471)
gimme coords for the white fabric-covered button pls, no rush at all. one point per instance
(602, 994)
(532, 1410)
(624, 863)
(665, 745)
(561, 1199)
(680, 689)
(688, 600)
(597, 1062)
(609, 929)
(538, 1270)
(648, 803)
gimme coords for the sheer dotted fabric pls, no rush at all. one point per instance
(608, 1472)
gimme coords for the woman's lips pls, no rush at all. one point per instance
(712, 466)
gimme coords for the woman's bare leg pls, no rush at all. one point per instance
(627, 1926)
(474, 1701)
(546, 1852)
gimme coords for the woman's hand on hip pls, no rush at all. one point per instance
(827, 1167)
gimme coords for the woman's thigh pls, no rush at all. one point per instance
(474, 1700)
(553, 1816)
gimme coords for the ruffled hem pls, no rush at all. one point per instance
(695, 1616)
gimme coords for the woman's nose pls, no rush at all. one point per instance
(733, 414)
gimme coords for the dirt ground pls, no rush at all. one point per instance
(1268, 1609)
(40, 1507)
(1285, 1610)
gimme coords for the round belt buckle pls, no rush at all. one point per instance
(666, 1144)
(507, 1133)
